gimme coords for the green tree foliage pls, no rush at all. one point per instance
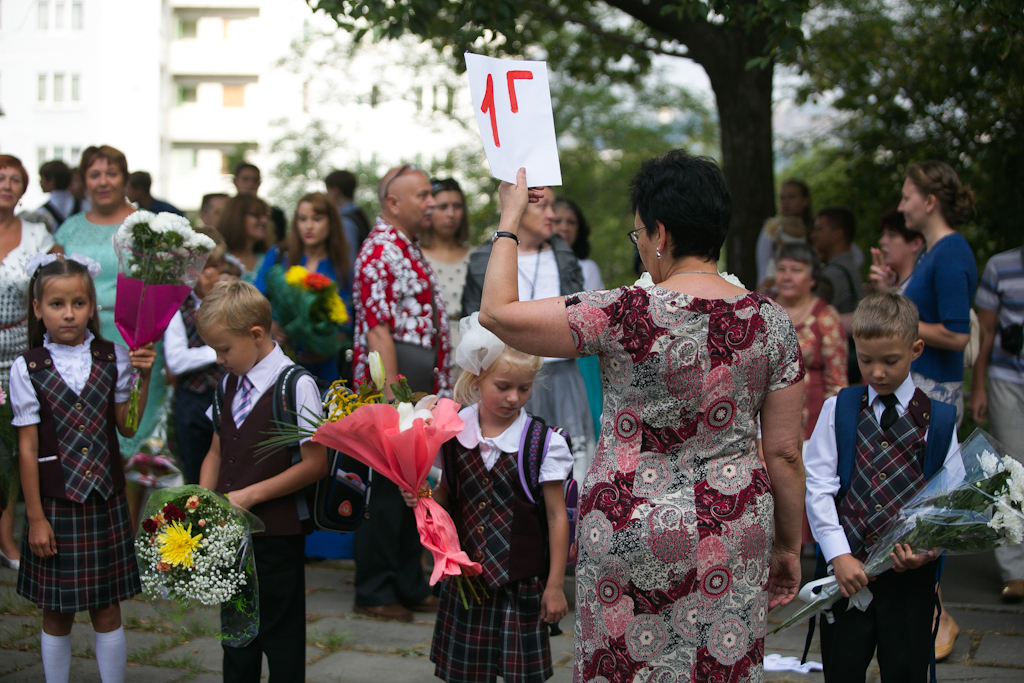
(736, 41)
(916, 80)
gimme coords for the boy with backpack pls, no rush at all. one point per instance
(872, 449)
(235, 321)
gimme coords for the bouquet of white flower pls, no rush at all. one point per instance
(194, 548)
(160, 258)
(957, 513)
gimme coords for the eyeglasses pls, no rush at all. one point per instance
(634, 235)
(401, 170)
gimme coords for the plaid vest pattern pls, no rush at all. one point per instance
(205, 379)
(888, 471)
(76, 429)
(498, 527)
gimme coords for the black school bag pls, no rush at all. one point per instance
(341, 497)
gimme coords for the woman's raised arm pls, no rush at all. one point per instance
(537, 327)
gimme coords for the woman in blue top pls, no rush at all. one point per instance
(317, 242)
(935, 203)
(104, 170)
(243, 224)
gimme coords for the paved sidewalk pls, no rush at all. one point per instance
(342, 647)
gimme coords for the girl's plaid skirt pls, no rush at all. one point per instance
(504, 636)
(95, 562)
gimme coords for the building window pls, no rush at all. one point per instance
(76, 15)
(43, 15)
(227, 23)
(183, 160)
(58, 15)
(76, 88)
(58, 87)
(76, 156)
(58, 153)
(234, 95)
(186, 94)
(374, 96)
(187, 28)
(41, 156)
(42, 87)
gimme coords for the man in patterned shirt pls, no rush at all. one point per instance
(400, 314)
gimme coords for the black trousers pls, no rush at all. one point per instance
(195, 431)
(282, 635)
(388, 551)
(898, 623)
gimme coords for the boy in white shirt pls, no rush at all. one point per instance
(870, 452)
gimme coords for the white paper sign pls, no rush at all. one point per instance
(512, 101)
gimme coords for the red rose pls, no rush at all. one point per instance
(173, 513)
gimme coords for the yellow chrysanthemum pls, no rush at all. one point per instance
(336, 309)
(296, 276)
(340, 403)
(177, 544)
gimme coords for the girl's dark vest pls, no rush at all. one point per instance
(81, 431)
(239, 467)
(498, 526)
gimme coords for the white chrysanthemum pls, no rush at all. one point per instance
(990, 463)
(732, 279)
(1016, 481)
(197, 242)
(1009, 520)
(140, 216)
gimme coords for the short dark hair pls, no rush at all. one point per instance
(841, 217)
(112, 155)
(801, 252)
(894, 221)
(242, 165)
(343, 181)
(58, 172)
(688, 195)
(141, 180)
(207, 198)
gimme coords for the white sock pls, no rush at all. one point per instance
(111, 655)
(56, 657)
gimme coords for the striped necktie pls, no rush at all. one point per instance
(244, 404)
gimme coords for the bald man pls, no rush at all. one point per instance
(400, 314)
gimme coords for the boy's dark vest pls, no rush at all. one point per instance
(205, 379)
(79, 433)
(889, 469)
(498, 526)
(240, 468)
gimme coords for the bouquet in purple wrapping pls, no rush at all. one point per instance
(160, 258)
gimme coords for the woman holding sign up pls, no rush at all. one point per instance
(684, 543)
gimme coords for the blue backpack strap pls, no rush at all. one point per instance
(941, 429)
(848, 405)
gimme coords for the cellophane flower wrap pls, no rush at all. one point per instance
(195, 551)
(160, 258)
(154, 465)
(308, 308)
(957, 512)
(400, 442)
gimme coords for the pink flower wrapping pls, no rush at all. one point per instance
(371, 435)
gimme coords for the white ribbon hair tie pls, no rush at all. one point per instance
(40, 260)
(478, 347)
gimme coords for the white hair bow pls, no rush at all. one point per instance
(478, 348)
(40, 260)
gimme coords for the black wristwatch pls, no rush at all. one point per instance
(502, 233)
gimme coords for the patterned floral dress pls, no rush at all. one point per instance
(677, 511)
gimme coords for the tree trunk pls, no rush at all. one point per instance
(744, 99)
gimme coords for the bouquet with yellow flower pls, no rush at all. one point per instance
(308, 308)
(195, 549)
